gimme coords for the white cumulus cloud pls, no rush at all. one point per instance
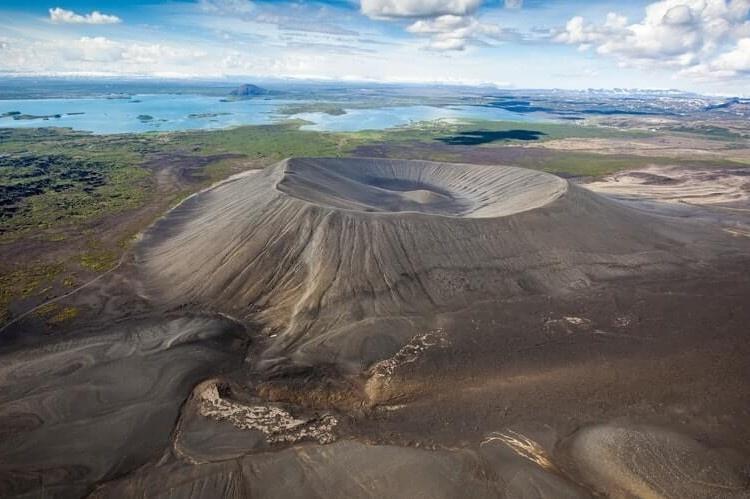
(694, 36)
(62, 16)
(736, 60)
(450, 32)
(449, 25)
(732, 64)
(92, 49)
(228, 7)
(417, 8)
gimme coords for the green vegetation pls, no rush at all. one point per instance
(332, 108)
(44, 191)
(99, 260)
(55, 315)
(206, 115)
(581, 164)
(587, 164)
(24, 282)
(18, 116)
(709, 132)
(219, 170)
(64, 315)
(266, 141)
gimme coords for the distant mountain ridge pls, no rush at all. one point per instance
(731, 103)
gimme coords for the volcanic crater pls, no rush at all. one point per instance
(343, 261)
(452, 190)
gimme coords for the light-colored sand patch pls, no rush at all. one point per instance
(523, 446)
(576, 321)
(654, 463)
(424, 196)
(277, 424)
(378, 387)
(738, 232)
(567, 325)
(666, 146)
(678, 185)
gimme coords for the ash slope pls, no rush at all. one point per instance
(343, 260)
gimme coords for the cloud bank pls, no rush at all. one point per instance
(450, 32)
(449, 25)
(693, 44)
(696, 37)
(62, 16)
(384, 9)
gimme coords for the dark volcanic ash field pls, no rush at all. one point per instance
(386, 328)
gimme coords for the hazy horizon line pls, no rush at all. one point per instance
(242, 79)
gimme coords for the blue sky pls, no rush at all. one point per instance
(701, 45)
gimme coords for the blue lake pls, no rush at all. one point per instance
(389, 117)
(144, 113)
(168, 112)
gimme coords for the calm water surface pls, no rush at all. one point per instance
(143, 113)
(388, 117)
